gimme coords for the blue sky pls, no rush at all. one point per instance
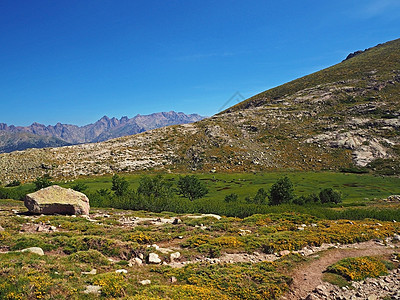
(75, 61)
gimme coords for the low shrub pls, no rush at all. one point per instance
(359, 268)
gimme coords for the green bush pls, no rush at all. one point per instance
(281, 192)
(90, 256)
(191, 187)
(231, 198)
(155, 186)
(42, 182)
(119, 185)
(329, 195)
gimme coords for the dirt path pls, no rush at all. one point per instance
(307, 277)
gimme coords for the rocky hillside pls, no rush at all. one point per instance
(344, 116)
(39, 136)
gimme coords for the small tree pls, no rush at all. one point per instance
(231, 198)
(156, 186)
(119, 185)
(329, 195)
(281, 191)
(191, 187)
(43, 182)
(79, 187)
(260, 197)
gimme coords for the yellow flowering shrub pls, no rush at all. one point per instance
(111, 284)
(140, 237)
(359, 268)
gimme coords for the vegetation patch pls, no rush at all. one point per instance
(359, 268)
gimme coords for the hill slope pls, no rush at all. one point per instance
(345, 115)
(37, 135)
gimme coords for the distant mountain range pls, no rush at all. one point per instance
(37, 135)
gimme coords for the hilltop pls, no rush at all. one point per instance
(345, 116)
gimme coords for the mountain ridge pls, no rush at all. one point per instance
(39, 135)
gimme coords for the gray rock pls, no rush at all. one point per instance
(121, 271)
(57, 200)
(1, 228)
(36, 250)
(145, 282)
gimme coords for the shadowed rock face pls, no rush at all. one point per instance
(57, 200)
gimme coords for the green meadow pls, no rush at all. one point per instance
(355, 188)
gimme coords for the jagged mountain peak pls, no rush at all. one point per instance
(103, 129)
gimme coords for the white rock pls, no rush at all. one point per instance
(155, 246)
(154, 258)
(121, 271)
(36, 250)
(92, 272)
(174, 256)
(284, 252)
(92, 289)
(145, 282)
(137, 261)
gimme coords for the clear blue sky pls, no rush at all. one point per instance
(75, 61)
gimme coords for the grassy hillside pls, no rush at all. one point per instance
(381, 61)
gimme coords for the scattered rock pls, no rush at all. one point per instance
(135, 261)
(92, 272)
(154, 246)
(174, 256)
(173, 279)
(154, 258)
(284, 252)
(176, 221)
(393, 198)
(145, 282)
(1, 228)
(92, 289)
(57, 200)
(121, 271)
(36, 250)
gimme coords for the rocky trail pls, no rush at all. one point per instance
(307, 279)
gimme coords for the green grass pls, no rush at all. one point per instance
(355, 188)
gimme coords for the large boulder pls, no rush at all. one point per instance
(57, 200)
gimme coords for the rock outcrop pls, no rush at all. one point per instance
(57, 200)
